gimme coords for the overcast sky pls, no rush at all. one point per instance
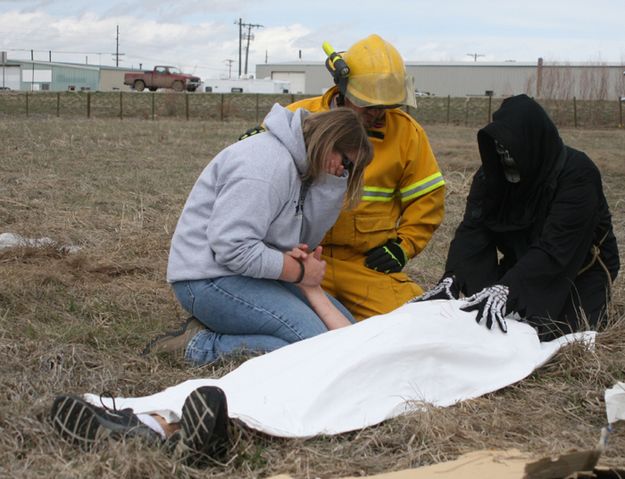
(200, 36)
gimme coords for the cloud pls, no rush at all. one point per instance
(199, 35)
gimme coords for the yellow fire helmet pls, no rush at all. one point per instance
(377, 74)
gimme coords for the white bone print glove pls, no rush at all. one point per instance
(490, 304)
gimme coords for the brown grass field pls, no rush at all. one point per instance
(76, 322)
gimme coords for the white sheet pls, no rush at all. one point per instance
(615, 403)
(12, 240)
(358, 376)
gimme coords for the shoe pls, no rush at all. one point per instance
(83, 424)
(204, 426)
(175, 342)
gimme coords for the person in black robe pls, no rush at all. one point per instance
(536, 237)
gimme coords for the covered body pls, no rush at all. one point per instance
(422, 353)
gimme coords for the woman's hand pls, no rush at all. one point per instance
(336, 163)
(315, 269)
(299, 252)
(309, 284)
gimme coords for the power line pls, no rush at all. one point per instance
(229, 62)
(55, 51)
(116, 55)
(248, 36)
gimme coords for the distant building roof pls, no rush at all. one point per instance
(508, 63)
(87, 66)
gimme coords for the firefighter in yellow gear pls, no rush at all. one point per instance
(403, 198)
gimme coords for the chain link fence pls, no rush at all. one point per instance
(252, 107)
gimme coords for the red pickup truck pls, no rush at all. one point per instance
(162, 77)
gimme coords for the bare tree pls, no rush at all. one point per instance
(530, 85)
(593, 82)
(558, 82)
(619, 84)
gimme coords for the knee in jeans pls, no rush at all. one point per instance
(184, 295)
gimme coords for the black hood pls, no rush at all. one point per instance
(526, 131)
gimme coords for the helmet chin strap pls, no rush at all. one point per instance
(340, 99)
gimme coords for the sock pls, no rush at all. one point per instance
(152, 423)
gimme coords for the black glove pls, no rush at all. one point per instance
(490, 303)
(447, 288)
(388, 258)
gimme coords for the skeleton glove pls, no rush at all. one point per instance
(490, 304)
(447, 288)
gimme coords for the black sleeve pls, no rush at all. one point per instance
(472, 255)
(540, 281)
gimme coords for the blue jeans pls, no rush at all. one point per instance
(246, 314)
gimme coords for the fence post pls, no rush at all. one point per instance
(221, 108)
(88, 104)
(490, 105)
(257, 112)
(121, 106)
(153, 106)
(466, 112)
(58, 104)
(448, 108)
(575, 112)
(186, 106)
(620, 111)
(26, 103)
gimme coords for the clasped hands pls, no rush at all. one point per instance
(490, 302)
(314, 266)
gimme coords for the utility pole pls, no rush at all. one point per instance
(229, 62)
(240, 23)
(32, 76)
(475, 55)
(248, 36)
(3, 57)
(117, 54)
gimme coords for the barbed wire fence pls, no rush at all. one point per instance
(252, 107)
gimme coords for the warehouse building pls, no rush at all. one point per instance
(459, 79)
(33, 75)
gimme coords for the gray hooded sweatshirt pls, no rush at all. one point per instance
(246, 208)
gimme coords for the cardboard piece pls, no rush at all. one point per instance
(563, 465)
(509, 464)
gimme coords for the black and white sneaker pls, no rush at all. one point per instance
(83, 424)
(204, 426)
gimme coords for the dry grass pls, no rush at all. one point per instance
(76, 322)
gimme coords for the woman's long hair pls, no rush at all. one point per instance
(340, 130)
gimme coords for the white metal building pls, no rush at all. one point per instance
(37, 75)
(459, 79)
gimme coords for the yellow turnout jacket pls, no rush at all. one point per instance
(403, 198)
